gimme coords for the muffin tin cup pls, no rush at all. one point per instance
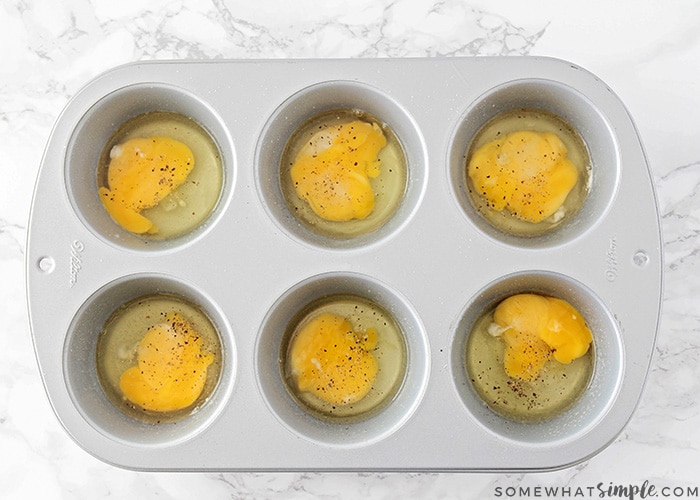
(290, 413)
(93, 132)
(313, 101)
(435, 265)
(80, 371)
(575, 109)
(608, 363)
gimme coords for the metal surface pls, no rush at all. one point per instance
(434, 266)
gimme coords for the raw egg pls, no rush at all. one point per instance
(141, 173)
(332, 171)
(332, 361)
(158, 358)
(530, 357)
(343, 173)
(536, 328)
(160, 175)
(171, 370)
(344, 357)
(528, 171)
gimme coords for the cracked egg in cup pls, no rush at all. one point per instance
(528, 171)
(343, 357)
(343, 173)
(531, 357)
(160, 175)
(158, 358)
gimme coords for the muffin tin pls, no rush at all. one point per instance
(435, 265)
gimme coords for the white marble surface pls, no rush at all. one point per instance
(647, 51)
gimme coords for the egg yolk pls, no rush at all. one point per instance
(171, 369)
(332, 171)
(140, 174)
(332, 361)
(536, 328)
(527, 173)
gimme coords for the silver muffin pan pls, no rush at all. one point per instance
(435, 265)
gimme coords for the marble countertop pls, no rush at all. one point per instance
(648, 52)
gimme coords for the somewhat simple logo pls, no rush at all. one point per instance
(76, 261)
(611, 265)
